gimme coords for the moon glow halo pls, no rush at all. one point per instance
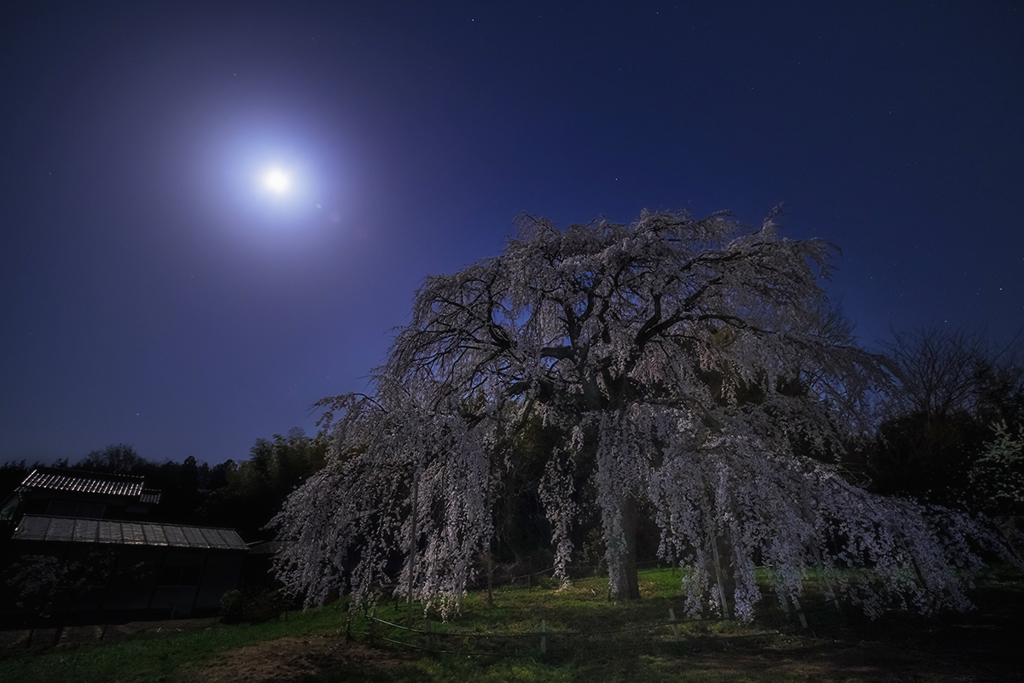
(277, 181)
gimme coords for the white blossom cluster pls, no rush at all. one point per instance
(694, 365)
(342, 528)
(999, 472)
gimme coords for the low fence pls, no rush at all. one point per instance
(573, 571)
(437, 638)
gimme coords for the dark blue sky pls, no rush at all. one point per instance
(152, 293)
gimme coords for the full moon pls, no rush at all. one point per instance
(276, 181)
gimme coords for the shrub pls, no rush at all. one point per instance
(251, 605)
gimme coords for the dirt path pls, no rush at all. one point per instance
(947, 654)
(289, 659)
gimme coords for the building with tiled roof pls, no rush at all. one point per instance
(72, 493)
(115, 532)
(85, 551)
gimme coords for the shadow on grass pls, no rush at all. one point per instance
(312, 646)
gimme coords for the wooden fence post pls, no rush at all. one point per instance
(412, 543)
(490, 578)
(800, 613)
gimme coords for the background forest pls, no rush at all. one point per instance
(241, 495)
(951, 433)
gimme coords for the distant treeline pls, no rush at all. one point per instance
(242, 495)
(950, 432)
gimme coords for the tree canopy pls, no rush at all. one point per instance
(953, 425)
(698, 376)
(255, 488)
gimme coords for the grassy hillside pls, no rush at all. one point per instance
(584, 637)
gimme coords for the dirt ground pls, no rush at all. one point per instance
(979, 647)
(974, 658)
(986, 646)
(290, 659)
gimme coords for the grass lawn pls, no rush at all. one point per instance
(585, 638)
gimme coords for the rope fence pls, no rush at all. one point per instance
(532, 579)
(547, 641)
(574, 571)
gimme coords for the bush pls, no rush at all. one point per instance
(251, 605)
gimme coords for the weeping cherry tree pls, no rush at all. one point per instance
(699, 376)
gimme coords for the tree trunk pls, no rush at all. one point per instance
(719, 567)
(627, 581)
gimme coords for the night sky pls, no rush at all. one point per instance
(153, 291)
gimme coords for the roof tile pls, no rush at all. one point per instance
(74, 530)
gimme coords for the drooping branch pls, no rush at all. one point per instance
(686, 365)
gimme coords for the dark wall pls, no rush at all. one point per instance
(48, 579)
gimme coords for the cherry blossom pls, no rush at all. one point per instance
(695, 366)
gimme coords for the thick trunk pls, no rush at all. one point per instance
(719, 567)
(626, 585)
